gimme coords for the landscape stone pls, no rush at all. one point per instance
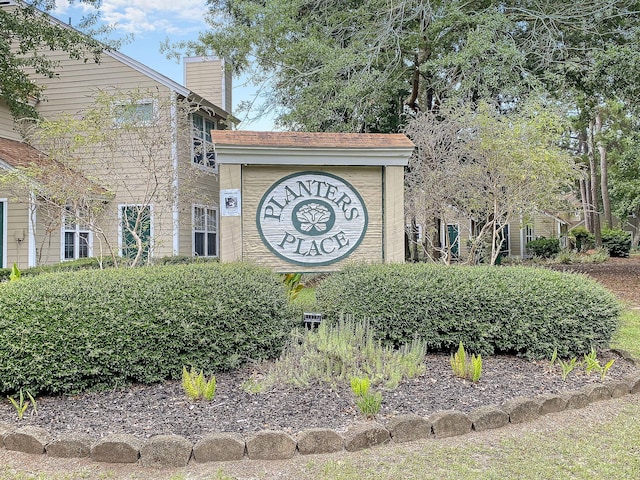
(488, 417)
(618, 388)
(364, 435)
(270, 445)
(450, 423)
(4, 429)
(521, 409)
(632, 380)
(70, 445)
(551, 403)
(219, 447)
(319, 440)
(166, 451)
(575, 399)
(596, 393)
(27, 439)
(407, 428)
(116, 448)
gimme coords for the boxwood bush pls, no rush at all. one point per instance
(544, 247)
(617, 242)
(521, 310)
(95, 329)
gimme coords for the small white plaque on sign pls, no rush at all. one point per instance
(230, 202)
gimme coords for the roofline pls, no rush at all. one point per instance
(253, 155)
(145, 70)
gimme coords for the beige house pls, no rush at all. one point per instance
(456, 233)
(170, 207)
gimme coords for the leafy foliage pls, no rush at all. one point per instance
(27, 38)
(521, 310)
(196, 387)
(617, 242)
(97, 329)
(368, 402)
(339, 352)
(544, 247)
(466, 367)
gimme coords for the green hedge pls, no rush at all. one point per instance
(95, 329)
(521, 310)
(617, 242)
(544, 247)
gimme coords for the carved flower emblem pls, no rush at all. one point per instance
(313, 217)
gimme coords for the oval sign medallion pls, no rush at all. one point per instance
(312, 218)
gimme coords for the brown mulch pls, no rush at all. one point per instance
(620, 275)
(145, 411)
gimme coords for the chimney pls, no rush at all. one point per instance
(208, 77)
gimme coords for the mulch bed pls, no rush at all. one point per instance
(145, 411)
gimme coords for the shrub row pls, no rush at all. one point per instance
(95, 329)
(544, 247)
(521, 310)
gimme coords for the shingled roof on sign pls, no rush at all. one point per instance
(310, 140)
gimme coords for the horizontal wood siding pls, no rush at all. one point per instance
(7, 127)
(256, 180)
(206, 79)
(17, 228)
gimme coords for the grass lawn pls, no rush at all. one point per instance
(628, 336)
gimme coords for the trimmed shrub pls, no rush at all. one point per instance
(584, 240)
(521, 310)
(544, 247)
(96, 329)
(617, 242)
(70, 266)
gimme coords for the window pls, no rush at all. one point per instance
(205, 232)
(141, 113)
(135, 221)
(203, 152)
(76, 235)
(453, 232)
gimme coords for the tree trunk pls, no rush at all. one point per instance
(604, 175)
(594, 191)
(586, 205)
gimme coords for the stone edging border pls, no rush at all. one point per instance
(176, 451)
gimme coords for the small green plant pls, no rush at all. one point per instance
(476, 368)
(592, 363)
(466, 367)
(15, 273)
(252, 386)
(196, 387)
(567, 366)
(367, 402)
(21, 405)
(293, 284)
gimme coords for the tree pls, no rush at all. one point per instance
(26, 36)
(500, 168)
(123, 142)
(360, 65)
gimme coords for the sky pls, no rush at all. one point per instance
(151, 22)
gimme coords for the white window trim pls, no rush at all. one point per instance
(143, 101)
(193, 229)
(5, 234)
(76, 244)
(445, 234)
(523, 239)
(151, 226)
(206, 168)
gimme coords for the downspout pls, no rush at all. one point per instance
(175, 182)
(31, 248)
